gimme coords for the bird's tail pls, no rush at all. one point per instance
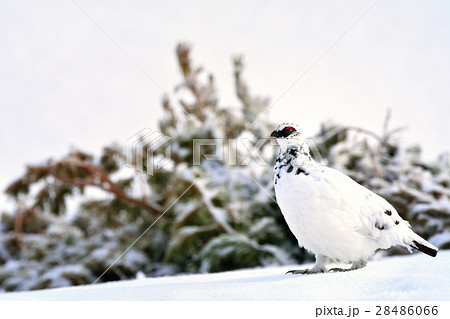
(422, 245)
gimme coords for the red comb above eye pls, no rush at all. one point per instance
(289, 128)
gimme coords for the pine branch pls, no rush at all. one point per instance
(104, 183)
(77, 172)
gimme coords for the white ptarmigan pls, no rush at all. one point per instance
(330, 214)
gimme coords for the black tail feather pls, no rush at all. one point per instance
(426, 250)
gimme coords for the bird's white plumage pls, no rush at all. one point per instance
(330, 214)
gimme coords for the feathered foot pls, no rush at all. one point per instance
(355, 265)
(319, 267)
(358, 264)
(339, 270)
(305, 271)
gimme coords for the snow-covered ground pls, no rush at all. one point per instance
(416, 277)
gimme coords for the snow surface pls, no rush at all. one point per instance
(416, 277)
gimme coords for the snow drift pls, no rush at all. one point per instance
(416, 277)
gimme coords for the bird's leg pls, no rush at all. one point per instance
(359, 264)
(338, 269)
(319, 267)
(355, 265)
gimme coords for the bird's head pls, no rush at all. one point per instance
(287, 134)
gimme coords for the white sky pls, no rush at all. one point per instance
(64, 83)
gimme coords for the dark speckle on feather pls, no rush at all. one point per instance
(301, 171)
(379, 226)
(293, 152)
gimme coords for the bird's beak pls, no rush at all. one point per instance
(275, 134)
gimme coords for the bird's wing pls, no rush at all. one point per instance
(371, 214)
